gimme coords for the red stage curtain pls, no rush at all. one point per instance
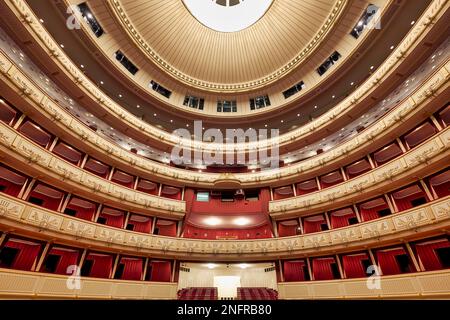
(27, 255)
(427, 254)
(293, 271)
(161, 271)
(352, 265)
(68, 257)
(387, 261)
(321, 268)
(102, 265)
(132, 268)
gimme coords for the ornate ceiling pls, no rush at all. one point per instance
(172, 38)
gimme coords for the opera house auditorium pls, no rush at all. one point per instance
(224, 149)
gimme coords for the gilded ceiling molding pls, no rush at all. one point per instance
(433, 87)
(20, 215)
(146, 48)
(420, 29)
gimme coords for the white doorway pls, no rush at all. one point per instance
(227, 286)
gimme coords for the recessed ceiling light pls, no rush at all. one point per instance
(392, 47)
(241, 221)
(120, 96)
(412, 22)
(243, 266)
(282, 121)
(298, 114)
(352, 83)
(211, 265)
(62, 46)
(138, 106)
(333, 96)
(154, 114)
(315, 107)
(82, 66)
(187, 125)
(41, 20)
(101, 82)
(265, 125)
(212, 221)
(171, 121)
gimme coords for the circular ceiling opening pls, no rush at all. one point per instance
(228, 15)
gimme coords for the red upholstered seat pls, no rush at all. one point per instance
(205, 293)
(256, 294)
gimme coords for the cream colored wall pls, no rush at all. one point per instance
(254, 276)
